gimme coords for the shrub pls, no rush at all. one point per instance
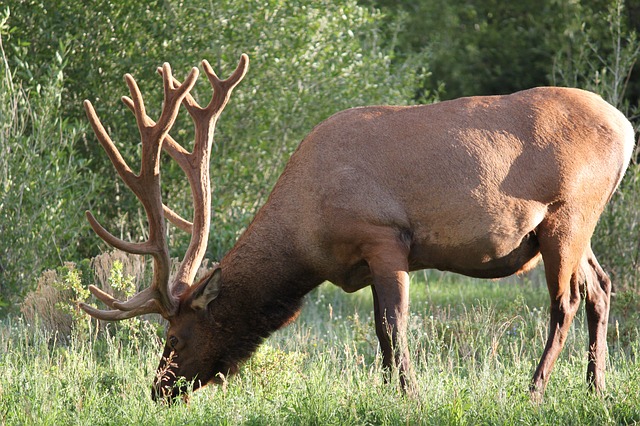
(52, 305)
(41, 188)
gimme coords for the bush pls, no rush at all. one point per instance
(42, 186)
(52, 305)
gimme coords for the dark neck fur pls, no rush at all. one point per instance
(264, 282)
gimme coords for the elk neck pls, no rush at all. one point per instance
(264, 277)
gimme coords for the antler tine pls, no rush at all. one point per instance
(196, 165)
(175, 150)
(146, 186)
(180, 155)
(114, 155)
(150, 307)
(223, 88)
(139, 110)
(134, 248)
(205, 120)
(175, 95)
(140, 304)
(114, 303)
(233, 79)
(178, 220)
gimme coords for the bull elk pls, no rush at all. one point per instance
(482, 186)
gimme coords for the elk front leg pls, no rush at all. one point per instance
(387, 253)
(391, 310)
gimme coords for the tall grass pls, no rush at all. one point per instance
(475, 345)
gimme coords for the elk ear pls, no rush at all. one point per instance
(208, 291)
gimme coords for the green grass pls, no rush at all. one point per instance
(475, 345)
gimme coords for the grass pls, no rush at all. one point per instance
(475, 345)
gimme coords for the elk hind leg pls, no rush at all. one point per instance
(561, 255)
(598, 296)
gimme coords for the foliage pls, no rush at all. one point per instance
(474, 344)
(309, 59)
(494, 47)
(600, 59)
(617, 237)
(43, 181)
(52, 305)
(483, 47)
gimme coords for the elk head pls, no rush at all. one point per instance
(183, 304)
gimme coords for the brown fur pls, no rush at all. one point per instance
(482, 186)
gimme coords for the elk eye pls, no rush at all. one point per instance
(173, 342)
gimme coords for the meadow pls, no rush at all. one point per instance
(474, 343)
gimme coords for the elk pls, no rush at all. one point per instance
(481, 186)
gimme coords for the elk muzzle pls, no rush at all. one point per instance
(168, 386)
(169, 393)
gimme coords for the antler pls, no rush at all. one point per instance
(162, 296)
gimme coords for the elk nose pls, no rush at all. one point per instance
(169, 394)
(169, 397)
